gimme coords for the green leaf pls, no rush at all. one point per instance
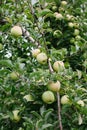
(36, 114)
(6, 63)
(45, 11)
(46, 126)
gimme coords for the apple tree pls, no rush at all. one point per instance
(43, 62)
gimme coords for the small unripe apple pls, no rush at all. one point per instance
(16, 117)
(58, 15)
(20, 128)
(57, 34)
(81, 103)
(36, 28)
(69, 17)
(54, 8)
(14, 75)
(28, 97)
(16, 31)
(35, 52)
(61, 9)
(72, 40)
(1, 46)
(48, 97)
(76, 25)
(54, 86)
(63, 3)
(70, 24)
(76, 32)
(65, 99)
(58, 66)
(42, 58)
(78, 37)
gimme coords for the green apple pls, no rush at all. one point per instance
(76, 25)
(14, 75)
(16, 31)
(54, 8)
(63, 3)
(16, 117)
(72, 40)
(28, 97)
(42, 58)
(20, 128)
(70, 24)
(58, 15)
(69, 17)
(61, 9)
(76, 32)
(1, 46)
(48, 97)
(78, 37)
(54, 86)
(65, 99)
(35, 52)
(81, 103)
(57, 34)
(58, 66)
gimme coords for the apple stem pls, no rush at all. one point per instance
(59, 112)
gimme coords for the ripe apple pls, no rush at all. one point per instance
(58, 15)
(54, 86)
(81, 103)
(63, 3)
(1, 46)
(16, 31)
(42, 58)
(70, 24)
(35, 52)
(76, 32)
(48, 97)
(58, 66)
(16, 117)
(65, 99)
(14, 75)
(28, 97)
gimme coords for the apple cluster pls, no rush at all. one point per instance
(48, 96)
(40, 56)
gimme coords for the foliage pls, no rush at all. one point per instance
(59, 41)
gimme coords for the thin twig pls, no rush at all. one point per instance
(27, 34)
(50, 66)
(59, 111)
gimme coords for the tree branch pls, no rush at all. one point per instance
(50, 67)
(27, 34)
(59, 111)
